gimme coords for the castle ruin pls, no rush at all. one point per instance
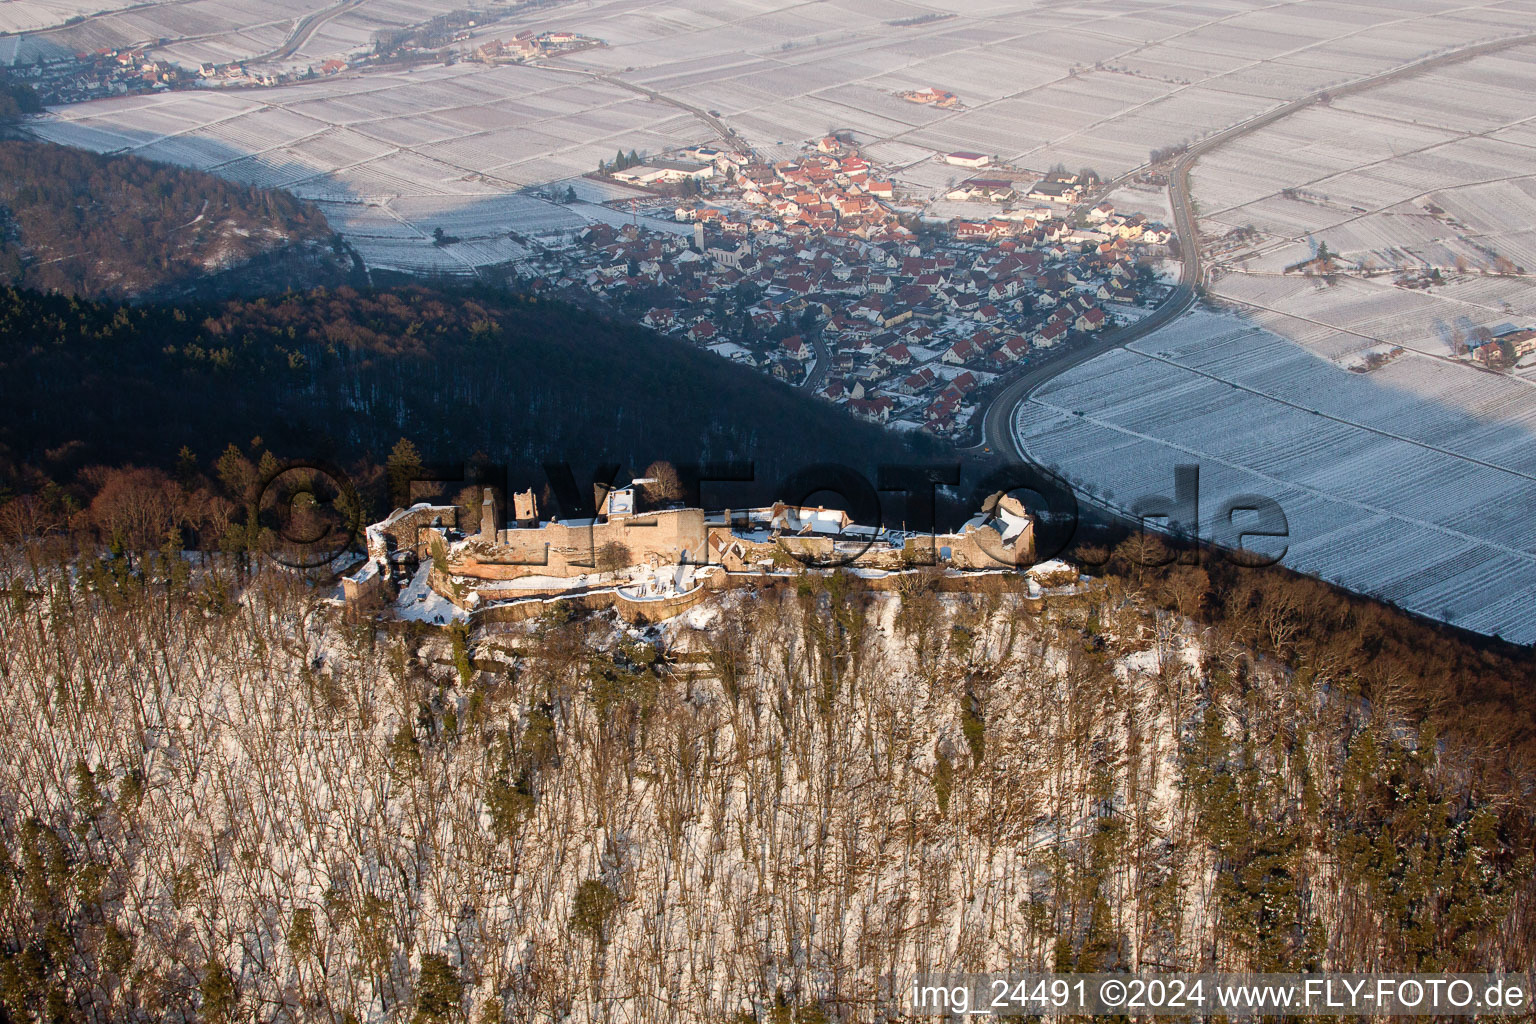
(656, 554)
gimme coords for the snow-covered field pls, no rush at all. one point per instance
(1433, 172)
(31, 15)
(1096, 83)
(210, 29)
(1099, 83)
(1414, 483)
(391, 157)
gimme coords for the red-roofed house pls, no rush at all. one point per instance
(961, 386)
(1011, 351)
(961, 352)
(1050, 333)
(940, 410)
(876, 410)
(919, 381)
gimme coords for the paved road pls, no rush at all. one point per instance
(817, 377)
(297, 38)
(997, 418)
(304, 29)
(714, 122)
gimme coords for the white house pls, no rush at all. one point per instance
(729, 257)
(964, 159)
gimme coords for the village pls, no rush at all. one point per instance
(65, 77)
(106, 71)
(814, 270)
(110, 71)
(652, 557)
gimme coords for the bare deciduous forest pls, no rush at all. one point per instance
(225, 801)
(121, 226)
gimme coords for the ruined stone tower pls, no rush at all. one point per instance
(488, 517)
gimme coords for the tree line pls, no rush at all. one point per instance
(479, 377)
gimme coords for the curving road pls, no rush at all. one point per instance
(304, 29)
(997, 434)
(817, 377)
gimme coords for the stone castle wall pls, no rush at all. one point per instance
(640, 613)
(655, 538)
(411, 529)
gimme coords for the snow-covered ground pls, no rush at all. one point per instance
(1410, 176)
(191, 32)
(31, 15)
(420, 603)
(1094, 84)
(1414, 483)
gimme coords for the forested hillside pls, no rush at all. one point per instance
(344, 375)
(16, 100)
(121, 226)
(224, 802)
